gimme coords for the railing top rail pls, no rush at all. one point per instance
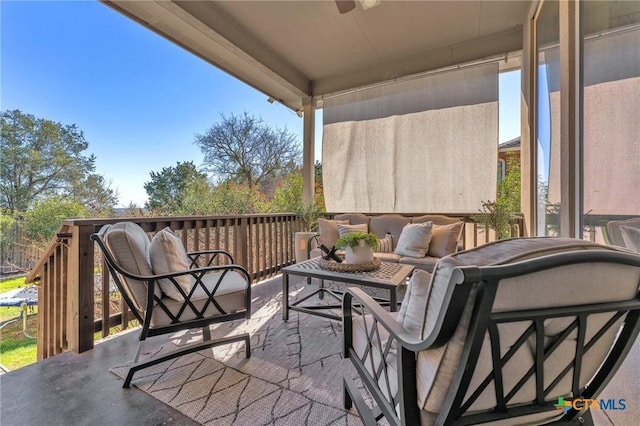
(151, 219)
(34, 273)
(461, 215)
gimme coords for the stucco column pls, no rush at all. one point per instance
(308, 147)
(569, 120)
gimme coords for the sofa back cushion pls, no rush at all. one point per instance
(353, 218)
(436, 219)
(129, 246)
(388, 224)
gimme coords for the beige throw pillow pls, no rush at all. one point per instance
(167, 255)
(444, 239)
(328, 230)
(414, 304)
(350, 229)
(414, 240)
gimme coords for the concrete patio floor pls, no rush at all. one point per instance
(78, 389)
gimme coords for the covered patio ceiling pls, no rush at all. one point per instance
(293, 50)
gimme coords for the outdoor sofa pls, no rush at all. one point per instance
(445, 236)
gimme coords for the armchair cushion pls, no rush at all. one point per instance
(411, 313)
(230, 295)
(444, 239)
(130, 245)
(435, 368)
(167, 255)
(328, 230)
(631, 237)
(414, 240)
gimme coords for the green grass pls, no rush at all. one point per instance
(16, 350)
(10, 312)
(12, 284)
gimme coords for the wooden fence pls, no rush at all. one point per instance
(77, 302)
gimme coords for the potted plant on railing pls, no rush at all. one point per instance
(358, 247)
(495, 215)
(308, 215)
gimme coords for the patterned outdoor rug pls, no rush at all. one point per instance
(294, 375)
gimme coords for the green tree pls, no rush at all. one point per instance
(168, 189)
(508, 191)
(234, 198)
(497, 214)
(42, 158)
(45, 218)
(247, 151)
(288, 195)
(288, 198)
(6, 223)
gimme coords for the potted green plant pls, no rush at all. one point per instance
(358, 247)
(496, 216)
(308, 214)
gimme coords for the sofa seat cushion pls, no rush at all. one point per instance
(424, 263)
(387, 257)
(230, 295)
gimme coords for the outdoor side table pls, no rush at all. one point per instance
(388, 277)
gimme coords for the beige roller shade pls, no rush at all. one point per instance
(423, 145)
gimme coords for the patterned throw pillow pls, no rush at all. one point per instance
(385, 244)
(349, 229)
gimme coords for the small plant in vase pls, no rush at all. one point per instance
(358, 246)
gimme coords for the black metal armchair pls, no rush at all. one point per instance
(200, 295)
(505, 330)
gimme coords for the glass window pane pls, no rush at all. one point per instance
(611, 122)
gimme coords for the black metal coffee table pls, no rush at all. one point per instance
(389, 276)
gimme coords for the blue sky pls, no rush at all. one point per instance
(138, 98)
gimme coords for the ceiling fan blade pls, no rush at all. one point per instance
(345, 6)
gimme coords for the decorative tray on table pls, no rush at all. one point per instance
(332, 265)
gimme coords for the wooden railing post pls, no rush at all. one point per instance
(80, 296)
(243, 241)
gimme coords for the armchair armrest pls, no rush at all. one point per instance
(195, 255)
(309, 241)
(389, 323)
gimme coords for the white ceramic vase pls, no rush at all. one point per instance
(359, 254)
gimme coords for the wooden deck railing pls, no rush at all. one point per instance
(77, 302)
(75, 295)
